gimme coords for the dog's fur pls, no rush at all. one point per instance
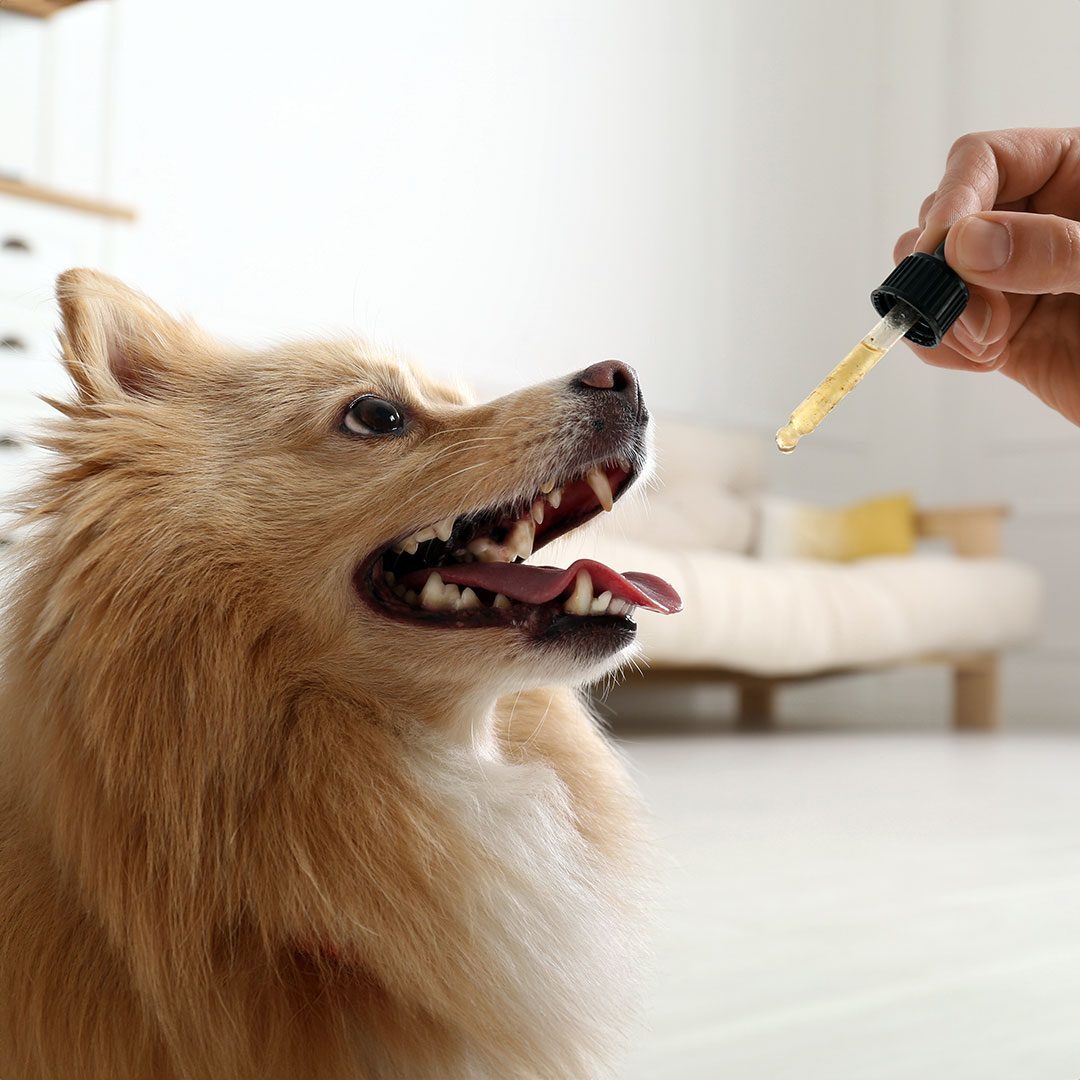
(250, 827)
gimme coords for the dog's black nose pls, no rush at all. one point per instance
(612, 377)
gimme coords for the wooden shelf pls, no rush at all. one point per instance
(63, 198)
(39, 9)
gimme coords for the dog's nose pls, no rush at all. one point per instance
(610, 376)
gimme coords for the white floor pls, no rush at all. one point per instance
(864, 906)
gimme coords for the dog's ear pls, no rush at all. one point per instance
(115, 339)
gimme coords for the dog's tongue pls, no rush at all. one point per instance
(539, 584)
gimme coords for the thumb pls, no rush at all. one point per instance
(1016, 252)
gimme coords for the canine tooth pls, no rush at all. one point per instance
(547, 487)
(431, 596)
(581, 598)
(445, 527)
(500, 601)
(411, 597)
(469, 599)
(520, 540)
(555, 497)
(451, 598)
(598, 481)
(538, 511)
(389, 578)
(422, 536)
(600, 605)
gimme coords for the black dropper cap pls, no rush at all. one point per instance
(931, 287)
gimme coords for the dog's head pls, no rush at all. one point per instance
(328, 500)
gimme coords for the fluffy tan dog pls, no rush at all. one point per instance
(281, 793)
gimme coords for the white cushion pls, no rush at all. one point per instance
(702, 493)
(793, 616)
(676, 515)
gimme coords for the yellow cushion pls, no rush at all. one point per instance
(883, 526)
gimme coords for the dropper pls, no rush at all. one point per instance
(919, 300)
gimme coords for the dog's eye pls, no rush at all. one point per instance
(370, 415)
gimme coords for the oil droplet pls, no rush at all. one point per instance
(786, 439)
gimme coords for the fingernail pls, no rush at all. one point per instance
(976, 318)
(982, 244)
(971, 348)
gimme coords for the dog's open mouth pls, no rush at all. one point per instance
(470, 570)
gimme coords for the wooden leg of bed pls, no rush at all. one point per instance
(757, 699)
(977, 694)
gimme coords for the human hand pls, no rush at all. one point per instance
(1010, 203)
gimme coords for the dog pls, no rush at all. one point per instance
(285, 789)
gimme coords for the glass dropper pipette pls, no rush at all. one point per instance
(919, 300)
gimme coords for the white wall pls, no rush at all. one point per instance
(506, 189)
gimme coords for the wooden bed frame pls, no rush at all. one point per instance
(972, 532)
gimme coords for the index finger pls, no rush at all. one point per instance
(989, 167)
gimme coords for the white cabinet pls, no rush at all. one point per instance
(37, 241)
(56, 83)
(56, 79)
(22, 75)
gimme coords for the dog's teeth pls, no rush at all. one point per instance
(410, 546)
(624, 464)
(580, 600)
(431, 596)
(547, 486)
(389, 578)
(411, 597)
(484, 549)
(520, 540)
(617, 606)
(445, 528)
(600, 605)
(469, 599)
(500, 602)
(538, 511)
(399, 590)
(598, 481)
(422, 536)
(451, 598)
(555, 497)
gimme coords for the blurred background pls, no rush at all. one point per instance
(855, 885)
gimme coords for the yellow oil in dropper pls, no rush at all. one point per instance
(919, 300)
(846, 375)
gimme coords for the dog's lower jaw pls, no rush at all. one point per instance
(478, 717)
